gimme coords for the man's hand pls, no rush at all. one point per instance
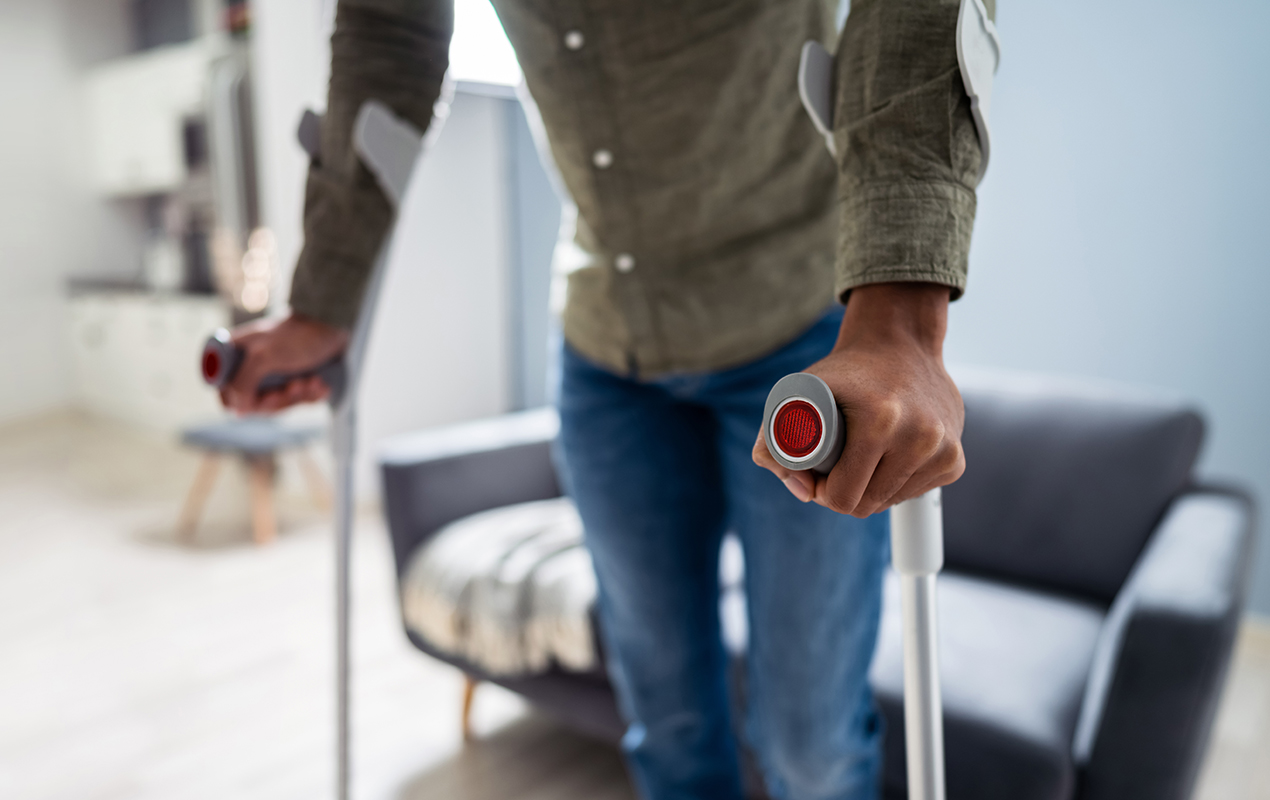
(904, 414)
(288, 345)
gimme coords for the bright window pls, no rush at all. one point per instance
(479, 50)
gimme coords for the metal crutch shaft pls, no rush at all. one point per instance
(917, 555)
(804, 430)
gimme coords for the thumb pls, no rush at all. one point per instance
(801, 484)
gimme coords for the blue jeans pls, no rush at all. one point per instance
(660, 470)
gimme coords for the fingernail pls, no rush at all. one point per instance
(797, 489)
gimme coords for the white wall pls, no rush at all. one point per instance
(51, 225)
(1121, 229)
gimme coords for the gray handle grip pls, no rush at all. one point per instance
(802, 415)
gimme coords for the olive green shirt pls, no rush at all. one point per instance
(713, 226)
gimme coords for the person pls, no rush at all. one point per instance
(714, 233)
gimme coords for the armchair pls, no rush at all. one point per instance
(1089, 606)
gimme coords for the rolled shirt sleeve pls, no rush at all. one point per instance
(394, 51)
(908, 153)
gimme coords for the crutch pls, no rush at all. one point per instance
(389, 148)
(804, 430)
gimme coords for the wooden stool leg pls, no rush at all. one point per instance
(319, 487)
(264, 526)
(196, 499)
(469, 689)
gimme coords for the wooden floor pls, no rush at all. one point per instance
(133, 666)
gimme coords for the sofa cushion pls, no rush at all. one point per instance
(1013, 665)
(510, 589)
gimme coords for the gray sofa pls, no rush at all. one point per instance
(1089, 606)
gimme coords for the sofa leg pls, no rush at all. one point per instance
(469, 689)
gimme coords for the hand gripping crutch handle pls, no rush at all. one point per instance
(222, 357)
(805, 430)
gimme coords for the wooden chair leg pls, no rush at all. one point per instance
(469, 689)
(319, 486)
(196, 499)
(264, 525)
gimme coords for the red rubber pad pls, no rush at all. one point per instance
(211, 365)
(797, 428)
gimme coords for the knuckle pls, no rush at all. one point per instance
(887, 413)
(928, 436)
(952, 460)
(958, 467)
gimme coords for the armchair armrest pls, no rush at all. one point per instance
(433, 477)
(1165, 648)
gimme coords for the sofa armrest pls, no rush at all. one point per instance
(433, 477)
(1159, 667)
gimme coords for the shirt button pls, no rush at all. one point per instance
(574, 40)
(625, 262)
(602, 159)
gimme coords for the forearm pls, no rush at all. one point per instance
(908, 152)
(910, 315)
(394, 51)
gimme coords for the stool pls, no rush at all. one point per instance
(257, 440)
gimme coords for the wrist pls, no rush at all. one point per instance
(908, 315)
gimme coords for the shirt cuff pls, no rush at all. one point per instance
(896, 232)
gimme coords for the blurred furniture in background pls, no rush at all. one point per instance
(257, 441)
(170, 130)
(1089, 606)
(136, 355)
(139, 107)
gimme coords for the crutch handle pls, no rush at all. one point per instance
(222, 357)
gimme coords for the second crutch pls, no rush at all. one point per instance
(389, 148)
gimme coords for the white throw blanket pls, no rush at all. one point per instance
(510, 590)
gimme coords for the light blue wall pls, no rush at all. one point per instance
(1124, 222)
(534, 220)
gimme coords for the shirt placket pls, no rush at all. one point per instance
(586, 52)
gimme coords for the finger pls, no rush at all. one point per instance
(322, 391)
(942, 470)
(273, 400)
(892, 473)
(234, 400)
(842, 490)
(917, 450)
(308, 389)
(289, 394)
(313, 389)
(246, 381)
(801, 484)
(299, 390)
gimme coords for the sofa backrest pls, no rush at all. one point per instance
(433, 477)
(1064, 482)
